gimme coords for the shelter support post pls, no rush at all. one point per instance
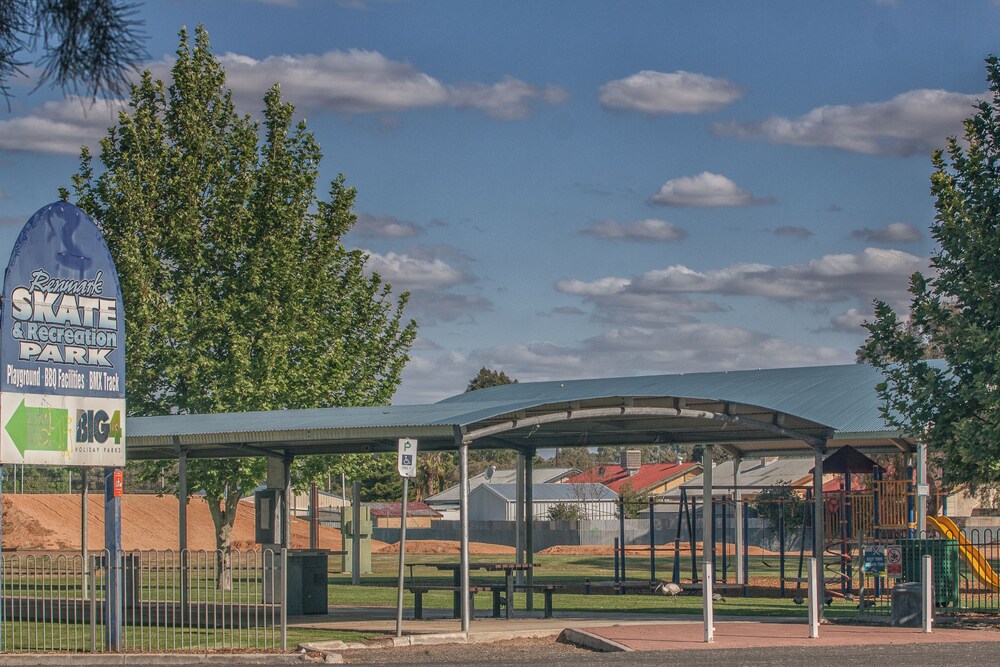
(314, 516)
(923, 488)
(707, 514)
(463, 496)
(738, 521)
(356, 538)
(818, 510)
(519, 517)
(286, 501)
(529, 524)
(182, 532)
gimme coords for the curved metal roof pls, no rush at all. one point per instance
(774, 411)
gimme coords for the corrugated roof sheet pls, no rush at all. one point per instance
(546, 493)
(538, 476)
(838, 398)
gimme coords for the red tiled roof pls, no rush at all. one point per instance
(649, 474)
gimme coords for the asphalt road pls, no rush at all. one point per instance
(550, 654)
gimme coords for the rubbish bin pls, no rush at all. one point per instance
(945, 575)
(307, 581)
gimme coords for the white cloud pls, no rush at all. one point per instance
(896, 232)
(406, 272)
(654, 92)
(704, 190)
(675, 294)
(872, 272)
(915, 122)
(358, 81)
(59, 126)
(384, 226)
(659, 231)
(850, 321)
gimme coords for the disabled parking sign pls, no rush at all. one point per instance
(407, 462)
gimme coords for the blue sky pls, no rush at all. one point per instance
(581, 189)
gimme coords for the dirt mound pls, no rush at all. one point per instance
(52, 522)
(446, 547)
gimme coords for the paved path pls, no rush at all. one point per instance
(733, 634)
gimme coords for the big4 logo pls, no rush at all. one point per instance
(97, 426)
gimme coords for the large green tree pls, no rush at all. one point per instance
(85, 46)
(954, 311)
(239, 294)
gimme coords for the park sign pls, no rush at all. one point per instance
(62, 346)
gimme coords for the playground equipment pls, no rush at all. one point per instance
(971, 554)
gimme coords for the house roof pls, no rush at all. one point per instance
(759, 473)
(396, 509)
(548, 493)
(538, 476)
(649, 475)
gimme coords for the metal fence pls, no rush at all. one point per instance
(964, 575)
(167, 601)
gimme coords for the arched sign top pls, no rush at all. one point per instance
(62, 345)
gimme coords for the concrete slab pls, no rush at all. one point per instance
(745, 634)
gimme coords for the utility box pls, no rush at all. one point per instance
(267, 516)
(308, 581)
(363, 534)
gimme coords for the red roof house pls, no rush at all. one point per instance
(649, 478)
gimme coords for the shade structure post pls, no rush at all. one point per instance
(182, 532)
(286, 501)
(463, 495)
(519, 516)
(529, 524)
(814, 599)
(708, 612)
(738, 520)
(819, 538)
(923, 489)
(707, 514)
(84, 538)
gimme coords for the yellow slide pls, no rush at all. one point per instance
(972, 555)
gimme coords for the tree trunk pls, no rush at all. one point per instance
(224, 517)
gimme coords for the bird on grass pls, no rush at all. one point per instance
(668, 588)
(718, 597)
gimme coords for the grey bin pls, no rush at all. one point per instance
(307, 581)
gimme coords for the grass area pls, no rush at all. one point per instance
(379, 590)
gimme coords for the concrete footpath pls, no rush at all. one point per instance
(600, 631)
(756, 634)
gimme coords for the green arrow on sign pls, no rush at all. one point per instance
(39, 429)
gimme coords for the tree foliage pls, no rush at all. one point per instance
(239, 293)
(85, 44)
(953, 406)
(487, 377)
(780, 500)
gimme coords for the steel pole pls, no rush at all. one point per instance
(463, 462)
(402, 559)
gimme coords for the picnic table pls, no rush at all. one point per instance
(508, 570)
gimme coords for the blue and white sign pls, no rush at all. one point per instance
(62, 346)
(406, 461)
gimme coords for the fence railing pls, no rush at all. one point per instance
(166, 601)
(965, 570)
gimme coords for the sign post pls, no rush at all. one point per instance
(407, 466)
(62, 362)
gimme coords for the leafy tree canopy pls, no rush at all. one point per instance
(487, 377)
(239, 293)
(954, 406)
(87, 45)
